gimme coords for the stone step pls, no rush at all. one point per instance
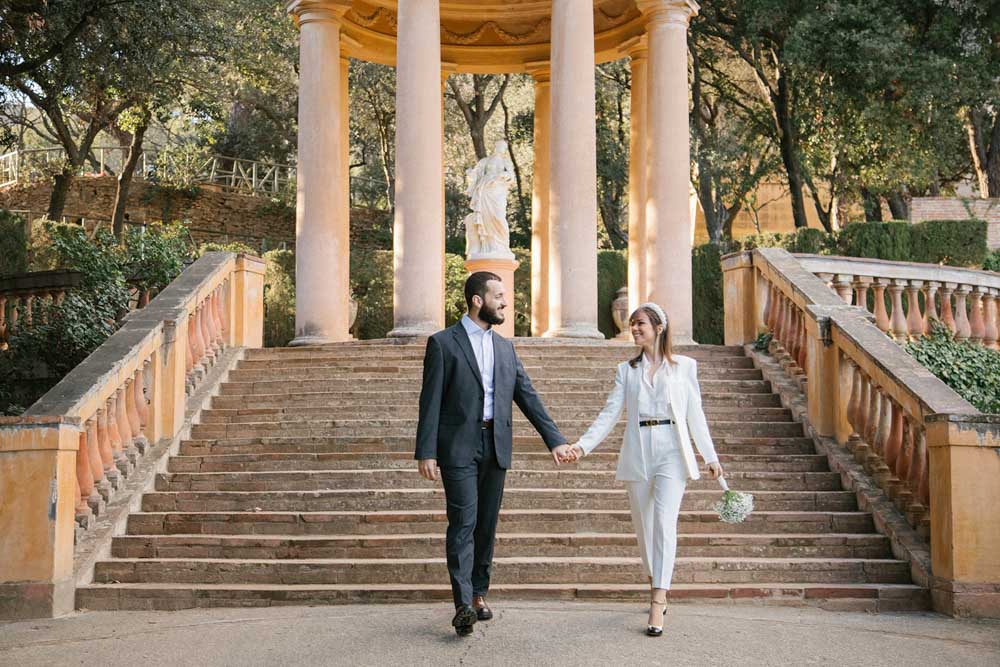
(560, 520)
(298, 480)
(432, 497)
(831, 545)
(524, 347)
(845, 597)
(544, 386)
(603, 376)
(317, 445)
(524, 570)
(530, 362)
(408, 399)
(404, 461)
(560, 414)
(388, 428)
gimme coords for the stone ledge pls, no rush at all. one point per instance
(907, 544)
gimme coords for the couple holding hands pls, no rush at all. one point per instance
(471, 378)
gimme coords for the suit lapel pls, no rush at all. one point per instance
(463, 342)
(500, 360)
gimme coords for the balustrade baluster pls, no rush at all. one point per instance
(130, 419)
(141, 410)
(15, 313)
(826, 278)
(771, 312)
(190, 355)
(107, 453)
(946, 315)
(220, 339)
(898, 321)
(802, 342)
(977, 323)
(199, 340)
(29, 307)
(842, 285)
(874, 412)
(224, 309)
(881, 316)
(94, 455)
(115, 435)
(914, 319)
(962, 328)
(922, 487)
(84, 478)
(861, 291)
(894, 443)
(990, 308)
(852, 404)
(930, 304)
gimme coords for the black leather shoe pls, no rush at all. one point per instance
(465, 618)
(483, 611)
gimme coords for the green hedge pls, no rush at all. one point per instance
(13, 245)
(992, 261)
(951, 242)
(706, 294)
(971, 370)
(876, 240)
(279, 297)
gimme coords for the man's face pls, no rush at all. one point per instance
(494, 302)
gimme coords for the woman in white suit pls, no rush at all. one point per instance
(662, 401)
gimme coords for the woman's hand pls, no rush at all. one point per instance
(715, 470)
(577, 452)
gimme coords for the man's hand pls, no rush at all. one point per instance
(428, 469)
(563, 454)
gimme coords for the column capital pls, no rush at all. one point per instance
(636, 48)
(665, 12)
(317, 11)
(540, 71)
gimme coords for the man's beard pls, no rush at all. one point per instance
(490, 316)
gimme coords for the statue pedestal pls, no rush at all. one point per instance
(505, 269)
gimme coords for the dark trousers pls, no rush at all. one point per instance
(473, 494)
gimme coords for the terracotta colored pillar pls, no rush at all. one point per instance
(669, 226)
(345, 141)
(637, 178)
(573, 184)
(418, 236)
(322, 243)
(540, 201)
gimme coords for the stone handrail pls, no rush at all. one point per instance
(64, 458)
(27, 295)
(965, 300)
(931, 451)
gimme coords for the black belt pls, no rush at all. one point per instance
(655, 422)
(487, 423)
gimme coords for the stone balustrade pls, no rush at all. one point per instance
(28, 296)
(932, 453)
(906, 297)
(65, 458)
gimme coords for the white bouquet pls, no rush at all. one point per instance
(735, 506)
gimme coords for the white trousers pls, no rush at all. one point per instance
(656, 503)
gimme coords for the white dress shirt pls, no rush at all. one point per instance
(482, 345)
(654, 398)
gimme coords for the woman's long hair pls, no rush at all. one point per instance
(663, 340)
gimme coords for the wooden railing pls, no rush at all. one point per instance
(26, 296)
(930, 450)
(68, 455)
(906, 297)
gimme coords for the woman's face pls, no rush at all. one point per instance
(642, 329)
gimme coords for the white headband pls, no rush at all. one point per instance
(656, 309)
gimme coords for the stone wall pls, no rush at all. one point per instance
(960, 208)
(213, 215)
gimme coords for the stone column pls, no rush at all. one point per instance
(322, 227)
(573, 185)
(637, 178)
(418, 235)
(345, 137)
(669, 227)
(540, 201)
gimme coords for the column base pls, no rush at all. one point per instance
(504, 268)
(575, 331)
(414, 330)
(312, 339)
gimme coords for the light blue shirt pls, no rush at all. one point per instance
(482, 347)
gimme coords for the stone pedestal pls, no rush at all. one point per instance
(505, 269)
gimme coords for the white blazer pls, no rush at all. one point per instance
(689, 419)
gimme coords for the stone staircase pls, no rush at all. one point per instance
(299, 487)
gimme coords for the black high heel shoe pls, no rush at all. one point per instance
(656, 630)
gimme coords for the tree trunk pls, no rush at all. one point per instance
(993, 159)
(126, 175)
(61, 183)
(522, 212)
(611, 215)
(789, 151)
(873, 206)
(897, 204)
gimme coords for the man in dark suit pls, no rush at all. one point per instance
(471, 377)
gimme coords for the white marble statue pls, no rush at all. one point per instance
(487, 234)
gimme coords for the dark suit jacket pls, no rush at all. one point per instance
(452, 396)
